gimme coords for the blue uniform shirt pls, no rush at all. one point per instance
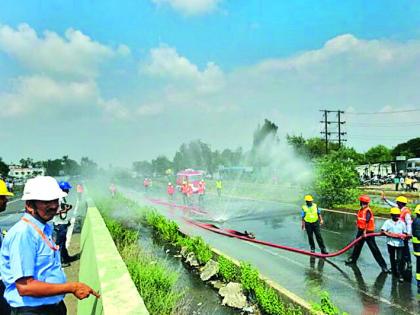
(25, 254)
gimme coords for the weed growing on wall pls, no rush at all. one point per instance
(169, 231)
(326, 306)
(228, 270)
(250, 277)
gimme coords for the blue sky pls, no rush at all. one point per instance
(161, 72)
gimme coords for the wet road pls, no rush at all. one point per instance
(14, 211)
(362, 289)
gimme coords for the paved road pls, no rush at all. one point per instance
(13, 212)
(357, 291)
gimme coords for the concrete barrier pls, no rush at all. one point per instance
(102, 268)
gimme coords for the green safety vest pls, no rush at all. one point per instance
(311, 213)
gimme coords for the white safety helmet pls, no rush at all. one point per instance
(44, 188)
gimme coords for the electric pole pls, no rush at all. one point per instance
(337, 134)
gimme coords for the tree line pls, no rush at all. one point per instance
(56, 167)
(199, 155)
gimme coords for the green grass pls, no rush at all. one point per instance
(169, 231)
(155, 282)
(326, 306)
(377, 209)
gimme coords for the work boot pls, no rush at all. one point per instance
(324, 251)
(349, 261)
(385, 270)
(312, 250)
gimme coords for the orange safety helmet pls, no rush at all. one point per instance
(364, 198)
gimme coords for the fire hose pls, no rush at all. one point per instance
(242, 236)
(173, 205)
(239, 235)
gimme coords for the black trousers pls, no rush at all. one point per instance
(418, 270)
(4, 306)
(372, 246)
(56, 309)
(406, 253)
(61, 230)
(396, 259)
(311, 229)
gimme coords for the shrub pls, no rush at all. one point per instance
(228, 270)
(169, 231)
(269, 300)
(201, 250)
(250, 277)
(336, 180)
(326, 306)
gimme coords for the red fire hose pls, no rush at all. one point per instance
(236, 234)
(240, 235)
(164, 203)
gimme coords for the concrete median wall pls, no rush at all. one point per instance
(102, 268)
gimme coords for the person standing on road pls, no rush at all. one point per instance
(184, 191)
(29, 260)
(61, 224)
(80, 190)
(219, 187)
(201, 191)
(311, 221)
(366, 224)
(4, 194)
(396, 182)
(170, 190)
(396, 232)
(112, 190)
(405, 216)
(146, 184)
(416, 244)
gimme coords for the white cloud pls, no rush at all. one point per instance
(165, 63)
(75, 54)
(190, 7)
(45, 96)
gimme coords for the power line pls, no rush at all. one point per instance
(367, 125)
(390, 112)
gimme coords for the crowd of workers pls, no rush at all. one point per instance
(399, 230)
(406, 183)
(32, 257)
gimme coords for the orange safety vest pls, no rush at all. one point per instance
(361, 220)
(201, 188)
(404, 212)
(184, 188)
(170, 190)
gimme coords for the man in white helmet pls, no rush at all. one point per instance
(30, 261)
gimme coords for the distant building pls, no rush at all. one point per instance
(19, 172)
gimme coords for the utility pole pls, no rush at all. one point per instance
(325, 129)
(339, 127)
(338, 133)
